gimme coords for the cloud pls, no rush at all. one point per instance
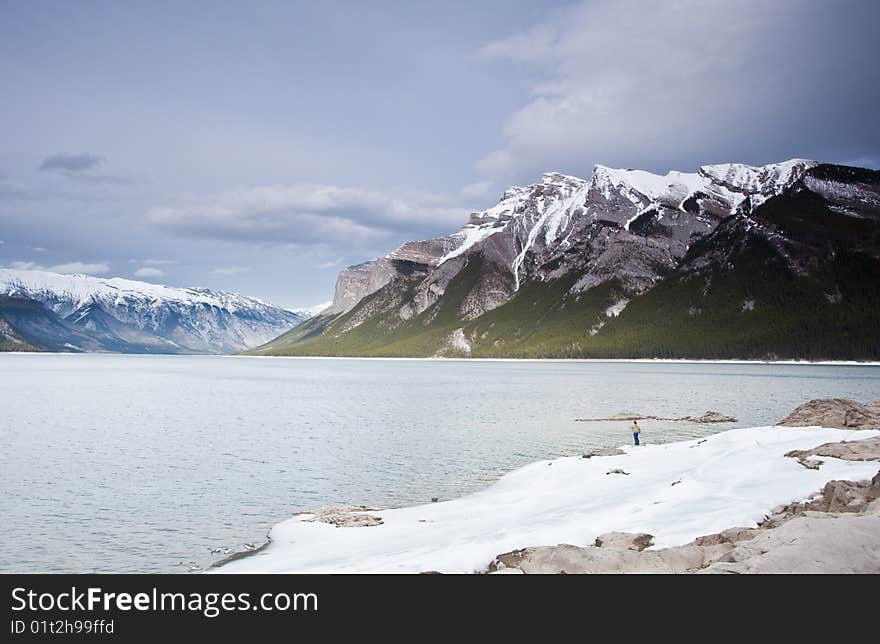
(81, 168)
(98, 268)
(25, 266)
(311, 214)
(149, 271)
(231, 270)
(153, 262)
(660, 85)
(11, 193)
(329, 264)
(37, 249)
(72, 162)
(479, 190)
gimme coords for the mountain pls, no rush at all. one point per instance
(55, 312)
(731, 261)
(312, 311)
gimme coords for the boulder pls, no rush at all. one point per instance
(835, 412)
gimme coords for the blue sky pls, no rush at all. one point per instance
(263, 146)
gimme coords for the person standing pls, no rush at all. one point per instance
(636, 430)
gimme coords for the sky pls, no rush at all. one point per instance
(261, 147)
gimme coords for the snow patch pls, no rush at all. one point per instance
(733, 478)
(617, 308)
(459, 342)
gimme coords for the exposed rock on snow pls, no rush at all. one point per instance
(611, 451)
(835, 412)
(624, 541)
(813, 536)
(344, 516)
(569, 559)
(860, 450)
(837, 533)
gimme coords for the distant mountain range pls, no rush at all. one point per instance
(732, 261)
(42, 311)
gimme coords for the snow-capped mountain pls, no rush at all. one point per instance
(605, 241)
(614, 210)
(127, 315)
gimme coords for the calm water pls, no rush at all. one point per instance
(142, 463)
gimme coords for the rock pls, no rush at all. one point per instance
(731, 535)
(625, 541)
(835, 412)
(345, 516)
(612, 451)
(569, 559)
(867, 449)
(815, 543)
(618, 417)
(837, 497)
(709, 417)
(617, 471)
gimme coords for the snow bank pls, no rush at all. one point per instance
(733, 478)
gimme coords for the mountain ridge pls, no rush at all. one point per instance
(563, 268)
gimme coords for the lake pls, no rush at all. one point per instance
(123, 463)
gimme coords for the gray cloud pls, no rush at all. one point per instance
(311, 214)
(660, 85)
(72, 162)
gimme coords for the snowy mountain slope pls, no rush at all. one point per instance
(152, 317)
(568, 258)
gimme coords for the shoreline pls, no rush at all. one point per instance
(678, 492)
(818, 363)
(721, 361)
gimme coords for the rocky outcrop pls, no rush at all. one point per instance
(709, 417)
(705, 418)
(810, 544)
(863, 450)
(835, 412)
(344, 516)
(836, 496)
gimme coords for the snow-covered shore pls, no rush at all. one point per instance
(676, 492)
